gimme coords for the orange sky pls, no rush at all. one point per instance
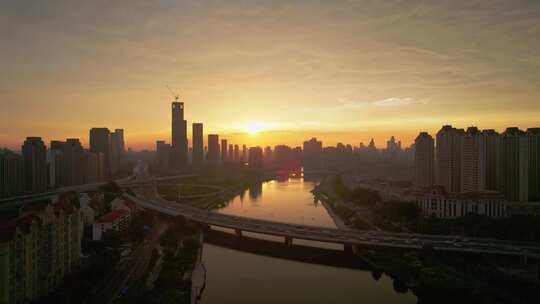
(338, 70)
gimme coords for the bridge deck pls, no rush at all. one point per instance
(344, 236)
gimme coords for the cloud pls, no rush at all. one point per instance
(396, 101)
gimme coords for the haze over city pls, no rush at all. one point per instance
(200, 152)
(345, 71)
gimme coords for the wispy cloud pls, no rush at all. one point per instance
(348, 104)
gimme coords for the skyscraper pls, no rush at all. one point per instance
(163, 155)
(448, 153)
(489, 159)
(35, 164)
(424, 160)
(11, 173)
(255, 157)
(117, 151)
(514, 165)
(534, 164)
(73, 163)
(236, 153)
(223, 150)
(312, 154)
(198, 145)
(472, 179)
(244, 153)
(55, 157)
(179, 147)
(213, 149)
(100, 142)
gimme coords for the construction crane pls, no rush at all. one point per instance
(174, 94)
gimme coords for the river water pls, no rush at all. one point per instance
(238, 277)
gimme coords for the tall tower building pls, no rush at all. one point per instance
(55, 157)
(179, 147)
(514, 165)
(163, 155)
(73, 163)
(534, 164)
(223, 150)
(11, 173)
(472, 179)
(198, 145)
(448, 154)
(424, 160)
(213, 149)
(244, 154)
(236, 153)
(255, 157)
(35, 164)
(117, 150)
(489, 159)
(312, 159)
(100, 142)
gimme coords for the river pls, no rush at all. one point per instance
(238, 277)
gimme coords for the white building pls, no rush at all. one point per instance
(437, 202)
(117, 220)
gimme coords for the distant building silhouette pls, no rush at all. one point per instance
(312, 154)
(179, 147)
(514, 162)
(255, 158)
(11, 173)
(472, 163)
(424, 161)
(213, 149)
(35, 164)
(223, 150)
(55, 156)
(100, 142)
(236, 153)
(448, 153)
(534, 164)
(163, 155)
(73, 163)
(198, 145)
(489, 154)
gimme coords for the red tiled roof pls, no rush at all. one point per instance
(111, 216)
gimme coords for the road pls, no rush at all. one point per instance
(343, 236)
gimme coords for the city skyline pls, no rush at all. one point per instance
(295, 74)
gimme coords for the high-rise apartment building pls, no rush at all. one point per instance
(73, 163)
(489, 156)
(11, 173)
(514, 165)
(236, 153)
(244, 154)
(55, 156)
(534, 164)
(100, 142)
(255, 158)
(223, 150)
(472, 173)
(198, 145)
(448, 155)
(312, 154)
(213, 149)
(424, 160)
(35, 164)
(163, 155)
(179, 147)
(117, 150)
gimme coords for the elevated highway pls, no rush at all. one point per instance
(348, 237)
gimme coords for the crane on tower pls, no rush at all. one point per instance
(173, 93)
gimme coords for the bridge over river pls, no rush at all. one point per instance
(347, 237)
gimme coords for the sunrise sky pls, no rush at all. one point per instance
(339, 70)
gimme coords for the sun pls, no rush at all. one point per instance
(253, 128)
